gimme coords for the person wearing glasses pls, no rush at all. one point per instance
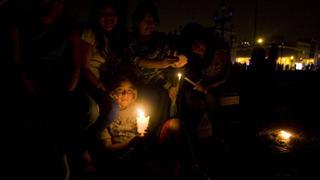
(122, 149)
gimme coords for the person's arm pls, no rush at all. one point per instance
(114, 147)
(76, 60)
(155, 64)
(181, 62)
(175, 62)
(109, 145)
(86, 50)
(146, 63)
(16, 53)
(88, 162)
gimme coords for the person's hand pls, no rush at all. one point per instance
(200, 88)
(182, 60)
(173, 93)
(167, 63)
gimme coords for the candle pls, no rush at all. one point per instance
(179, 76)
(190, 81)
(284, 136)
(142, 122)
(178, 85)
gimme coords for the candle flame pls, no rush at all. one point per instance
(285, 135)
(179, 76)
(140, 113)
(142, 122)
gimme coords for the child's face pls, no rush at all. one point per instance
(125, 94)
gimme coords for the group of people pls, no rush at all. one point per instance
(82, 87)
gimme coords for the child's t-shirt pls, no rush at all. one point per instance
(123, 127)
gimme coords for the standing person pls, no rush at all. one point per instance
(48, 61)
(272, 59)
(148, 51)
(258, 63)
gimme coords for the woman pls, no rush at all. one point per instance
(149, 51)
(101, 58)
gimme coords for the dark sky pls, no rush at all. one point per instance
(291, 19)
(288, 18)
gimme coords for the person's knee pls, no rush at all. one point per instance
(170, 129)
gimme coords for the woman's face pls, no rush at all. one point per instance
(147, 26)
(199, 47)
(108, 18)
(125, 94)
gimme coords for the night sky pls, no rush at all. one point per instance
(285, 18)
(290, 19)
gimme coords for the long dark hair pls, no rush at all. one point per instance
(99, 32)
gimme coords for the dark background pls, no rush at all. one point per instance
(292, 20)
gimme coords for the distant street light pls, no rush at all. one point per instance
(260, 40)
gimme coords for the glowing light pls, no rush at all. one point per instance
(260, 41)
(299, 66)
(243, 60)
(285, 135)
(292, 57)
(142, 122)
(179, 76)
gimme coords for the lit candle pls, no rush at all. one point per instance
(190, 81)
(284, 136)
(142, 122)
(179, 76)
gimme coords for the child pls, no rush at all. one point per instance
(123, 149)
(127, 151)
(118, 135)
(121, 127)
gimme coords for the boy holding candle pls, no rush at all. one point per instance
(121, 126)
(124, 148)
(126, 122)
(118, 136)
